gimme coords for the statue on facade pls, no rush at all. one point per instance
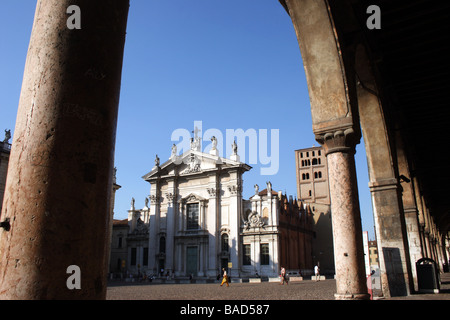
(7, 136)
(234, 147)
(256, 189)
(157, 161)
(174, 151)
(269, 188)
(114, 174)
(214, 143)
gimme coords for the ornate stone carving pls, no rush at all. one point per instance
(235, 189)
(170, 196)
(254, 220)
(212, 192)
(341, 140)
(192, 198)
(154, 199)
(141, 227)
(193, 164)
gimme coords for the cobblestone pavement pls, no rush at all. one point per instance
(303, 290)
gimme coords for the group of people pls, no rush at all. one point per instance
(283, 276)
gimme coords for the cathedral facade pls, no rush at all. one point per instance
(195, 222)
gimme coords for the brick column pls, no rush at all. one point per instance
(58, 190)
(345, 214)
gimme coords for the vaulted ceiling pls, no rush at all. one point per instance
(411, 57)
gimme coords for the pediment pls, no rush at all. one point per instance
(193, 197)
(192, 162)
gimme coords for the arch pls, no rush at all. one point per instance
(331, 87)
(224, 241)
(383, 182)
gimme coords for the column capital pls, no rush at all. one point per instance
(338, 140)
(212, 192)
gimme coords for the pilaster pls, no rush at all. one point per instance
(235, 194)
(212, 226)
(153, 240)
(171, 200)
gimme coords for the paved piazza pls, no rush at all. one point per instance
(303, 290)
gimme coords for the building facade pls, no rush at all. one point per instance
(313, 189)
(119, 247)
(195, 222)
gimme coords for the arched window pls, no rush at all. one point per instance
(225, 246)
(314, 162)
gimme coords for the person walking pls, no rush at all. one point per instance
(317, 273)
(225, 277)
(283, 276)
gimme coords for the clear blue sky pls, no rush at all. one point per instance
(230, 64)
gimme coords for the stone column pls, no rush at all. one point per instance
(346, 218)
(57, 197)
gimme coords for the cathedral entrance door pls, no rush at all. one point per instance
(191, 260)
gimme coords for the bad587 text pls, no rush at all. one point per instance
(243, 309)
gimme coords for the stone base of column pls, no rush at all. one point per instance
(352, 296)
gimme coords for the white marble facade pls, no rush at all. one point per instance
(195, 221)
(195, 211)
